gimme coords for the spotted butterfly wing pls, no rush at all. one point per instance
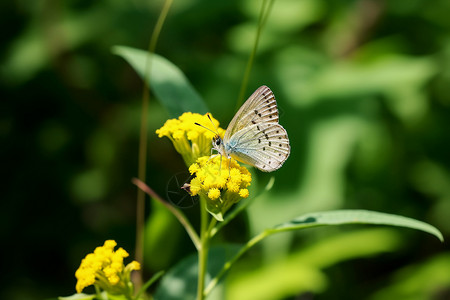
(259, 107)
(254, 136)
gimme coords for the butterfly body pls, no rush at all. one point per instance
(254, 136)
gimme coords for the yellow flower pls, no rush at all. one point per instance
(105, 268)
(221, 182)
(133, 266)
(213, 193)
(196, 186)
(244, 193)
(190, 140)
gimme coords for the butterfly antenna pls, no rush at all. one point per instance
(209, 117)
(215, 131)
(204, 127)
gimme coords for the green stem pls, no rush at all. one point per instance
(142, 160)
(265, 10)
(230, 262)
(176, 212)
(148, 284)
(203, 251)
(241, 206)
(98, 292)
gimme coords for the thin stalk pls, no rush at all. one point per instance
(241, 206)
(230, 262)
(176, 212)
(148, 284)
(265, 10)
(142, 156)
(140, 205)
(203, 251)
(98, 292)
(211, 227)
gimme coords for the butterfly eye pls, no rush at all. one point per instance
(217, 142)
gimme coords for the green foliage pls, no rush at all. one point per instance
(79, 296)
(161, 229)
(168, 83)
(304, 270)
(185, 273)
(363, 90)
(340, 217)
(181, 281)
(419, 281)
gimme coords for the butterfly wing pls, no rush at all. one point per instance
(264, 145)
(260, 107)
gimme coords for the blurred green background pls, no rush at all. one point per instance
(363, 90)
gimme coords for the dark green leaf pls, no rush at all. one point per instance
(167, 81)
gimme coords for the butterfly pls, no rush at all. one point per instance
(254, 136)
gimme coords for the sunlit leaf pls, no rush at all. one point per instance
(304, 270)
(341, 217)
(80, 296)
(166, 80)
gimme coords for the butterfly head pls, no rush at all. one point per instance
(217, 144)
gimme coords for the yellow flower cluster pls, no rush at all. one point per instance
(222, 182)
(219, 181)
(190, 140)
(105, 268)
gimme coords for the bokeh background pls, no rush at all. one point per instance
(363, 90)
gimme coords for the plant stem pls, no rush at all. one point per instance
(241, 206)
(266, 7)
(176, 212)
(142, 156)
(148, 284)
(98, 292)
(203, 251)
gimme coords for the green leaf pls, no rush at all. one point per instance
(161, 228)
(79, 296)
(167, 81)
(341, 217)
(337, 217)
(214, 209)
(108, 296)
(181, 281)
(243, 204)
(305, 269)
